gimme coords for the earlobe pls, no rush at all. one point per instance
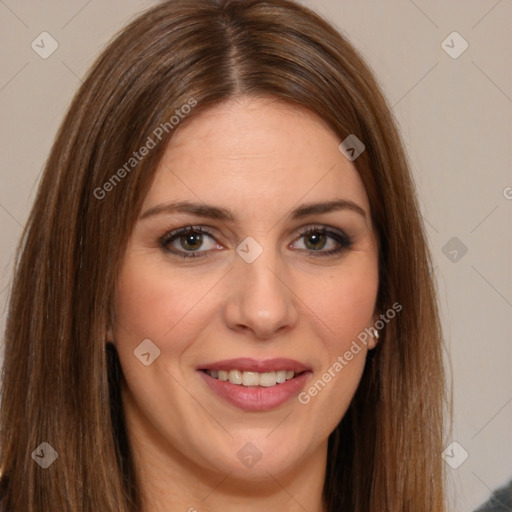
(109, 337)
(374, 337)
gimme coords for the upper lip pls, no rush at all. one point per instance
(246, 364)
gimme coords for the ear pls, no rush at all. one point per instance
(373, 339)
(109, 336)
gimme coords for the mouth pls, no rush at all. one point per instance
(254, 385)
(253, 379)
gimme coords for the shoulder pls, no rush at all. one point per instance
(501, 501)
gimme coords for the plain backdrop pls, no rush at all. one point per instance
(455, 114)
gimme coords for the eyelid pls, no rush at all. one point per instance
(343, 240)
(170, 236)
(323, 228)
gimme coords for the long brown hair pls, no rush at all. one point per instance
(61, 380)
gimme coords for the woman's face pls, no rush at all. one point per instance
(270, 270)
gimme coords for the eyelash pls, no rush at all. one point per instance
(341, 238)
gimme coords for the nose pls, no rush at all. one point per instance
(261, 300)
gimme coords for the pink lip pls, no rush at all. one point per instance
(256, 398)
(246, 364)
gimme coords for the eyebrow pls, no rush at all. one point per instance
(218, 213)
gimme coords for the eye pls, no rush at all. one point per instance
(324, 241)
(196, 241)
(189, 242)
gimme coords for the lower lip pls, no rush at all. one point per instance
(256, 398)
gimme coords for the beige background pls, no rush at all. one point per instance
(456, 120)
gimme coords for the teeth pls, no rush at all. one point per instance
(268, 379)
(240, 378)
(281, 376)
(249, 379)
(235, 376)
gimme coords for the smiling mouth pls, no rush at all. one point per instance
(252, 379)
(256, 391)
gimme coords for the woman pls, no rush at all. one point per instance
(223, 295)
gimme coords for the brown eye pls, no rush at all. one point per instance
(189, 242)
(324, 241)
(315, 241)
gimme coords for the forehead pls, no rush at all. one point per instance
(255, 153)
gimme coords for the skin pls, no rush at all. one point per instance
(260, 158)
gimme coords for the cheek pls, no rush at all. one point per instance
(346, 305)
(152, 302)
(345, 308)
(145, 306)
